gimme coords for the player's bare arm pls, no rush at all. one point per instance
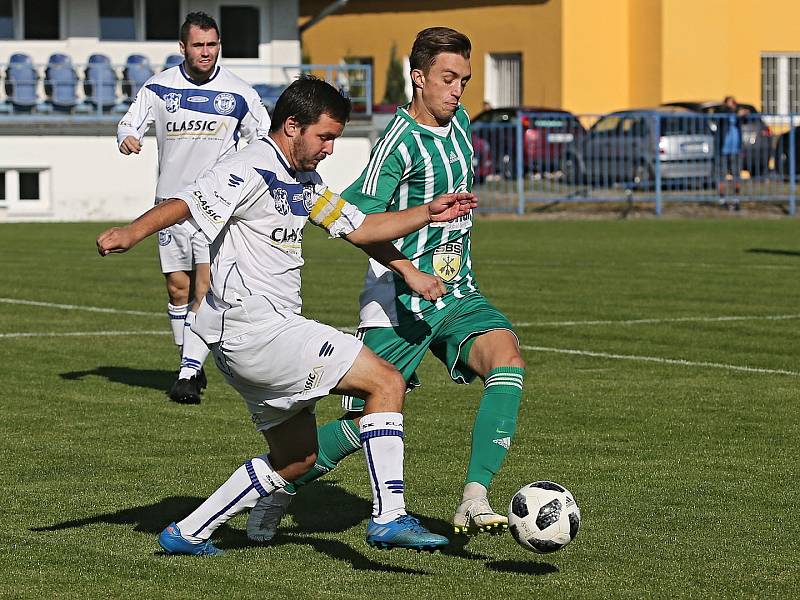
(427, 286)
(130, 145)
(383, 227)
(122, 239)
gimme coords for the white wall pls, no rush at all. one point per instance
(87, 179)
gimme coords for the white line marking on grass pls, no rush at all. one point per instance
(656, 359)
(118, 311)
(656, 321)
(80, 334)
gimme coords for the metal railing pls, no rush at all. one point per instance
(78, 90)
(657, 157)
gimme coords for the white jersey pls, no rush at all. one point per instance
(196, 124)
(253, 206)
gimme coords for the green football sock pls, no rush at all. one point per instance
(337, 440)
(495, 423)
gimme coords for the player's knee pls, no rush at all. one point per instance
(178, 292)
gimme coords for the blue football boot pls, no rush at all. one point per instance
(173, 542)
(403, 532)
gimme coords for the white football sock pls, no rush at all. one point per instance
(382, 439)
(254, 479)
(195, 350)
(177, 317)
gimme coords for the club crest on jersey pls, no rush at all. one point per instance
(447, 260)
(173, 102)
(308, 197)
(164, 237)
(281, 201)
(225, 103)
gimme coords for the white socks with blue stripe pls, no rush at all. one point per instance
(382, 440)
(177, 317)
(194, 351)
(254, 479)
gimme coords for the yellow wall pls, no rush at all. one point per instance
(369, 27)
(583, 55)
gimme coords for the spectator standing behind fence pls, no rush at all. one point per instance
(729, 138)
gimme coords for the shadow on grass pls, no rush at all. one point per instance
(322, 508)
(522, 566)
(774, 251)
(155, 379)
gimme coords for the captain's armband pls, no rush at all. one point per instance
(334, 214)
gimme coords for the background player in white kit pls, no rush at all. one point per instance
(200, 111)
(253, 205)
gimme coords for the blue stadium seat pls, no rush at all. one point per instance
(137, 71)
(21, 82)
(61, 83)
(100, 84)
(173, 60)
(99, 59)
(269, 93)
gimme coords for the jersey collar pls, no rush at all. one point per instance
(281, 157)
(192, 81)
(402, 112)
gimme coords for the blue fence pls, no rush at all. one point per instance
(662, 156)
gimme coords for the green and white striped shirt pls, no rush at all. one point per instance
(411, 165)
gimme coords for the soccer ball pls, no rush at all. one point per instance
(543, 517)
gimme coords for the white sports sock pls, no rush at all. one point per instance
(254, 479)
(177, 317)
(194, 352)
(382, 439)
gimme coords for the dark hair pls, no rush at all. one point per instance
(433, 41)
(198, 19)
(307, 99)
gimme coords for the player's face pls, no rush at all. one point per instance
(201, 52)
(315, 142)
(443, 85)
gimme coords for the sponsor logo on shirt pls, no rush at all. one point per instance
(284, 235)
(172, 101)
(225, 103)
(197, 99)
(234, 180)
(453, 157)
(314, 378)
(221, 199)
(192, 125)
(204, 206)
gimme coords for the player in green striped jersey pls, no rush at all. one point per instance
(426, 151)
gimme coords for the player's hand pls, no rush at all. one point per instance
(130, 145)
(451, 206)
(114, 240)
(429, 287)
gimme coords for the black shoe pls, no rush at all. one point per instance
(186, 391)
(201, 379)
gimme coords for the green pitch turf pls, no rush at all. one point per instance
(675, 424)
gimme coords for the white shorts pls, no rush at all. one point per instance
(281, 370)
(181, 247)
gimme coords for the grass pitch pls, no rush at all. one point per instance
(662, 390)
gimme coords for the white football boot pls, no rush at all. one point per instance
(475, 514)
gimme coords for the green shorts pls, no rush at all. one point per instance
(449, 333)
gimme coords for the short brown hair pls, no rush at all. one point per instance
(433, 41)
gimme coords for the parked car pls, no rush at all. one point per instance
(546, 132)
(756, 135)
(784, 154)
(482, 160)
(623, 147)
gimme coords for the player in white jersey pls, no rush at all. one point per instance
(201, 112)
(252, 206)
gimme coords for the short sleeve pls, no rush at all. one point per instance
(374, 190)
(334, 214)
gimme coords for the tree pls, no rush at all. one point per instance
(395, 82)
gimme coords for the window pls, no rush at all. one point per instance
(357, 83)
(503, 79)
(6, 20)
(780, 83)
(29, 185)
(117, 20)
(42, 19)
(243, 32)
(161, 19)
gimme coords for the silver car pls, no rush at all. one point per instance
(632, 147)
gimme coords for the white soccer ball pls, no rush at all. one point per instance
(543, 517)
